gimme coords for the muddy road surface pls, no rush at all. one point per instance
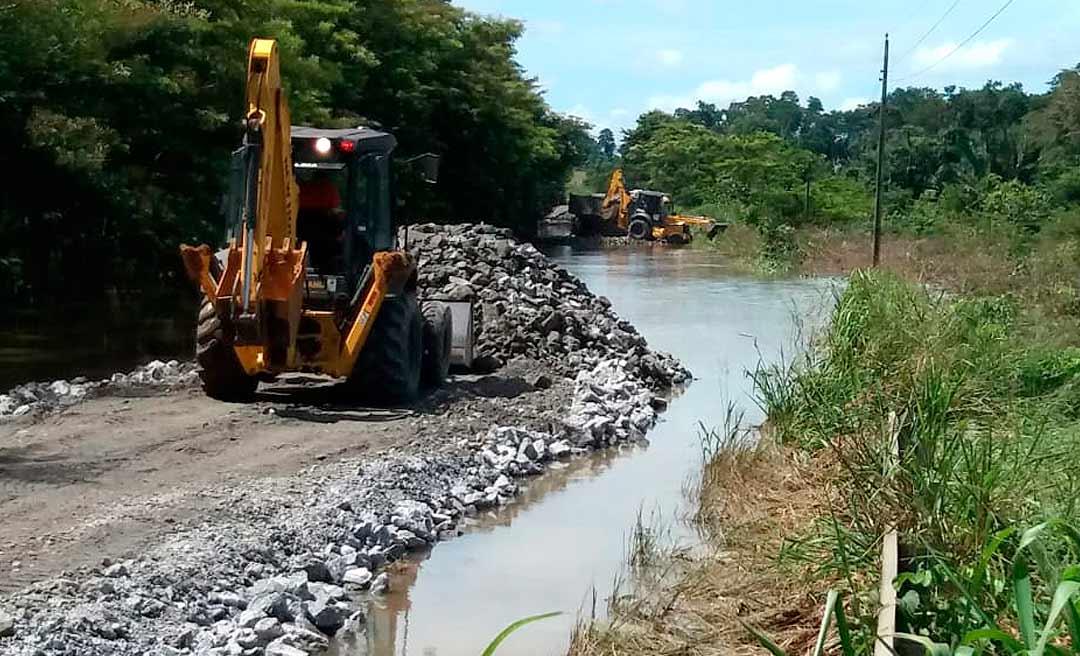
(105, 477)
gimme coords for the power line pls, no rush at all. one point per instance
(963, 43)
(928, 32)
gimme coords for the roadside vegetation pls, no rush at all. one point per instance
(985, 493)
(996, 164)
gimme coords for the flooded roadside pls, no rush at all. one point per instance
(565, 536)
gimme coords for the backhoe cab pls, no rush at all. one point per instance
(312, 278)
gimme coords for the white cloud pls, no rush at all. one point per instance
(581, 111)
(722, 92)
(973, 56)
(620, 112)
(669, 58)
(849, 104)
(546, 28)
(826, 82)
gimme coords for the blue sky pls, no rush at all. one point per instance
(609, 60)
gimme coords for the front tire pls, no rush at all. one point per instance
(219, 369)
(388, 369)
(438, 342)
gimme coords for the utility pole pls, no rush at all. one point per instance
(881, 154)
(808, 176)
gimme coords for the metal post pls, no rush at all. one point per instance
(881, 154)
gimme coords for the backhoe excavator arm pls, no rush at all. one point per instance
(259, 292)
(617, 201)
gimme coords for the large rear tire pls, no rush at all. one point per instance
(438, 342)
(639, 229)
(219, 369)
(388, 369)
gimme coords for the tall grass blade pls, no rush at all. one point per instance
(987, 554)
(1030, 535)
(1011, 644)
(1062, 598)
(826, 622)
(847, 646)
(1025, 604)
(1073, 617)
(765, 641)
(514, 627)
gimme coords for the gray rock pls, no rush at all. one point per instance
(247, 639)
(303, 635)
(358, 576)
(7, 625)
(280, 647)
(271, 604)
(317, 570)
(381, 584)
(560, 449)
(334, 592)
(325, 614)
(250, 617)
(296, 585)
(268, 629)
(118, 570)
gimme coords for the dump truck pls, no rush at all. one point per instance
(312, 278)
(640, 214)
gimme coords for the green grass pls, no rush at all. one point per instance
(989, 441)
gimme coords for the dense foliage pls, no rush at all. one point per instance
(118, 117)
(987, 416)
(996, 155)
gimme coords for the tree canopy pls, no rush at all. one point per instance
(756, 157)
(119, 116)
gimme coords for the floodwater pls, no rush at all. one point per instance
(564, 539)
(94, 340)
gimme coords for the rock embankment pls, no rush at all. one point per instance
(287, 565)
(528, 307)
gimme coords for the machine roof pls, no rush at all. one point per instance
(366, 138)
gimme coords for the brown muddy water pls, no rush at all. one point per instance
(566, 535)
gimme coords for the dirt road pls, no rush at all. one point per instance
(107, 476)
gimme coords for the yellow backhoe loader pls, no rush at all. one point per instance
(312, 278)
(638, 213)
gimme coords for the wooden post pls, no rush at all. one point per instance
(881, 154)
(890, 560)
(808, 174)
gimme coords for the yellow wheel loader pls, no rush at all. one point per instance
(639, 214)
(312, 279)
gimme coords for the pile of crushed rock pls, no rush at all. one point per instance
(40, 397)
(528, 306)
(289, 578)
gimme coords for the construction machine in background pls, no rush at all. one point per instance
(640, 214)
(312, 278)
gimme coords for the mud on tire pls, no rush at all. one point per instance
(388, 369)
(219, 369)
(438, 341)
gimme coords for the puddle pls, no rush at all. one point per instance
(564, 539)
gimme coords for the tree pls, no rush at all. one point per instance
(606, 142)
